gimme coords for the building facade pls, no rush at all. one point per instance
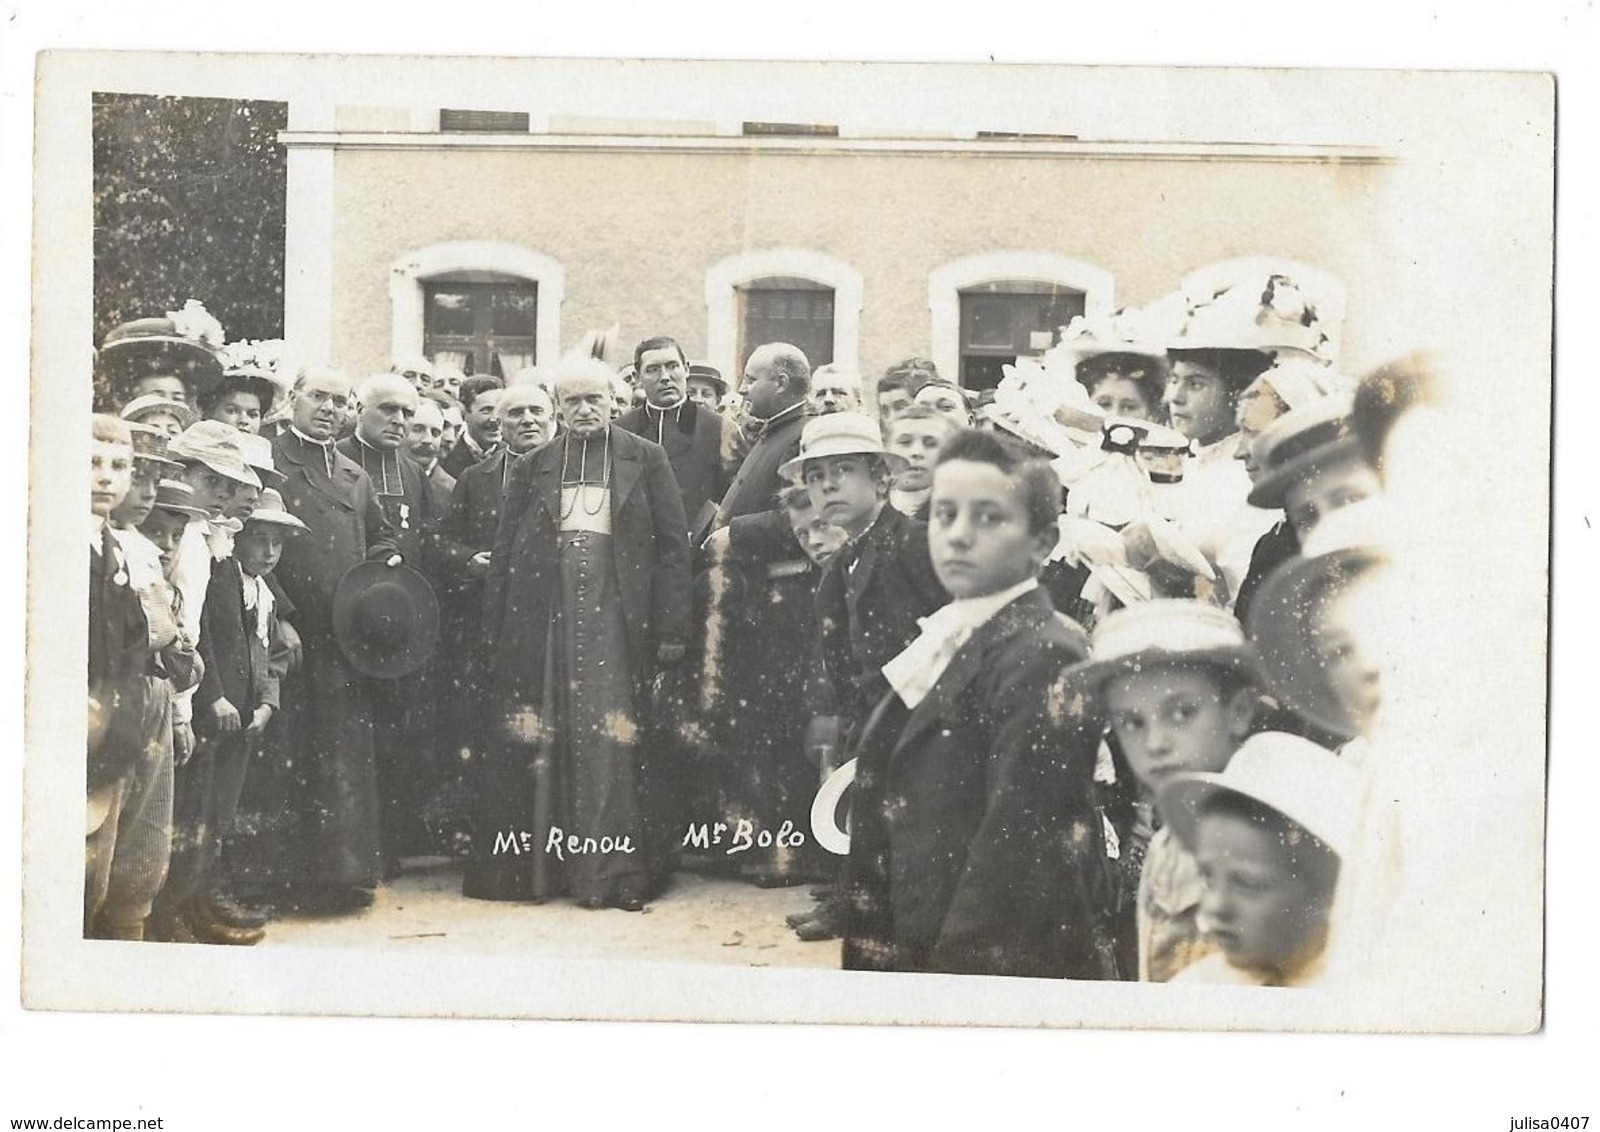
(412, 232)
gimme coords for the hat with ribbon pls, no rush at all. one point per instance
(709, 373)
(1298, 444)
(839, 434)
(270, 508)
(184, 344)
(216, 445)
(178, 497)
(1286, 618)
(257, 452)
(154, 403)
(150, 444)
(1163, 632)
(385, 618)
(1306, 783)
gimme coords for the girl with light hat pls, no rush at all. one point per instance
(1228, 341)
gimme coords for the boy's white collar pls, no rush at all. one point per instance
(915, 671)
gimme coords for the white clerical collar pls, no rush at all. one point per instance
(97, 531)
(915, 671)
(319, 443)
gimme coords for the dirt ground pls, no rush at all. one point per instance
(699, 919)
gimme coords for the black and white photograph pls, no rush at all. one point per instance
(769, 541)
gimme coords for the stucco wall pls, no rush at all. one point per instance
(636, 232)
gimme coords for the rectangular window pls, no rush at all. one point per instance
(1006, 320)
(484, 326)
(483, 122)
(783, 309)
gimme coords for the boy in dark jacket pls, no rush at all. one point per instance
(975, 845)
(236, 700)
(873, 591)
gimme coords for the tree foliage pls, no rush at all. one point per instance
(189, 197)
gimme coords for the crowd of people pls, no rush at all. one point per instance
(1057, 679)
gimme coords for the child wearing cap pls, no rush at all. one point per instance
(975, 846)
(234, 703)
(870, 596)
(172, 417)
(879, 584)
(916, 435)
(135, 646)
(1175, 682)
(1268, 833)
(213, 467)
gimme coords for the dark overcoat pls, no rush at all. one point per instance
(238, 664)
(468, 528)
(649, 547)
(978, 850)
(868, 602)
(413, 520)
(700, 446)
(330, 780)
(346, 526)
(755, 485)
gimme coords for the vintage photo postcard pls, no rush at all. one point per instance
(789, 542)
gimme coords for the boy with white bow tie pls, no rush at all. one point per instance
(978, 849)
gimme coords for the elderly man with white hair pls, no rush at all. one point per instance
(587, 597)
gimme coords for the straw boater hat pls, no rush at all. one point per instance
(150, 444)
(1297, 444)
(1287, 611)
(270, 508)
(1166, 631)
(178, 497)
(216, 445)
(185, 344)
(385, 618)
(840, 434)
(141, 407)
(257, 452)
(1308, 784)
(709, 373)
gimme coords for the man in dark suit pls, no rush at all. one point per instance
(480, 434)
(423, 443)
(466, 536)
(405, 710)
(700, 444)
(975, 845)
(587, 595)
(336, 858)
(777, 379)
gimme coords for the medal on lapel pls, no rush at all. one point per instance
(405, 516)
